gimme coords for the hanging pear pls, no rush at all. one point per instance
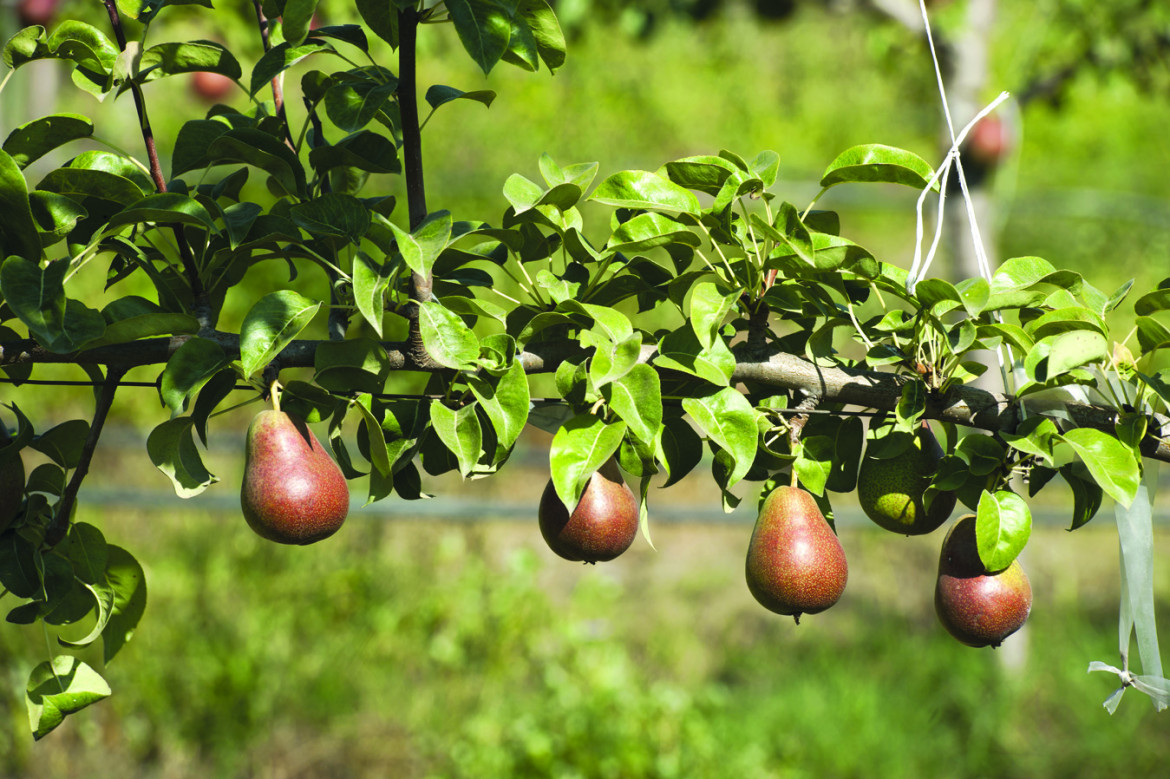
(891, 492)
(795, 564)
(601, 527)
(978, 607)
(293, 492)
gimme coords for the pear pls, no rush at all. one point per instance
(11, 481)
(603, 524)
(795, 564)
(293, 492)
(978, 607)
(891, 491)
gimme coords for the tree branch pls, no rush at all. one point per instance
(59, 526)
(964, 405)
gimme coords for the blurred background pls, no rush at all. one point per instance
(442, 638)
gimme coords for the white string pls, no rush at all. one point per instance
(920, 267)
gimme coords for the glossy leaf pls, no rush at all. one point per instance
(271, 324)
(166, 59)
(32, 140)
(730, 421)
(59, 688)
(578, 449)
(282, 57)
(37, 296)
(637, 399)
(484, 29)
(1111, 463)
(127, 581)
(878, 163)
(642, 189)
(192, 365)
(1003, 524)
(459, 430)
(505, 400)
(18, 231)
(447, 339)
(171, 447)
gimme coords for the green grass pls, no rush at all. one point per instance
(419, 649)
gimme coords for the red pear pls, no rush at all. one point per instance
(978, 607)
(601, 527)
(293, 492)
(795, 564)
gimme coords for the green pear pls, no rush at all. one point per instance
(891, 492)
(795, 564)
(293, 492)
(601, 527)
(978, 607)
(11, 481)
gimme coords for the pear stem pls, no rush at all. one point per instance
(274, 392)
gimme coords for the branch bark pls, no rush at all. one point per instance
(964, 405)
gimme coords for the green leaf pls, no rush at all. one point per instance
(370, 280)
(167, 59)
(650, 230)
(447, 339)
(1002, 527)
(441, 95)
(87, 552)
(680, 448)
(505, 401)
(127, 582)
(730, 421)
(578, 449)
(681, 351)
(484, 29)
(814, 462)
(296, 18)
(708, 310)
(1111, 463)
(351, 105)
(131, 318)
(18, 231)
(63, 443)
(612, 361)
(282, 57)
(192, 365)
(382, 19)
(877, 163)
(640, 189)
(171, 447)
(1152, 302)
(261, 150)
(335, 215)
(55, 215)
(545, 31)
(1151, 334)
(59, 688)
(80, 183)
(271, 324)
(166, 208)
(637, 399)
(459, 430)
(32, 140)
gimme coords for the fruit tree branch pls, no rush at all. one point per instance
(963, 405)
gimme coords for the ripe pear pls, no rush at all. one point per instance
(891, 491)
(11, 482)
(978, 607)
(603, 524)
(795, 564)
(293, 492)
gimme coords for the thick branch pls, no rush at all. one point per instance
(964, 405)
